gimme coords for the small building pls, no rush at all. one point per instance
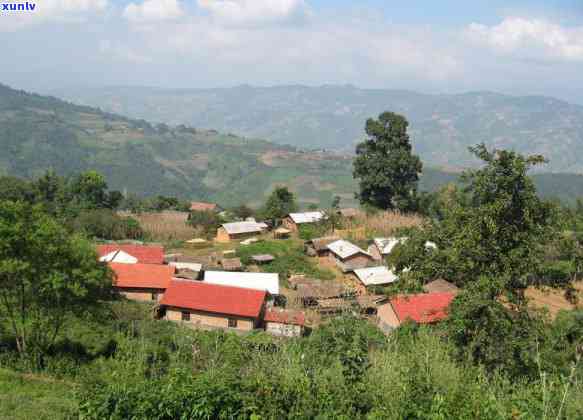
(142, 282)
(381, 247)
(202, 206)
(424, 308)
(294, 220)
(281, 233)
(187, 270)
(239, 230)
(231, 264)
(318, 247)
(441, 286)
(131, 254)
(348, 256)
(262, 258)
(258, 281)
(204, 305)
(375, 276)
(285, 323)
(310, 291)
(369, 303)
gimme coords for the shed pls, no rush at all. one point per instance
(239, 230)
(213, 306)
(281, 233)
(258, 281)
(309, 291)
(231, 264)
(262, 258)
(318, 247)
(293, 220)
(424, 308)
(286, 323)
(375, 276)
(348, 256)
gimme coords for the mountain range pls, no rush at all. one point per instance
(40, 132)
(442, 127)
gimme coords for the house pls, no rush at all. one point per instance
(318, 247)
(348, 256)
(202, 206)
(375, 276)
(206, 305)
(441, 286)
(131, 254)
(311, 291)
(381, 247)
(424, 308)
(143, 282)
(284, 322)
(231, 264)
(281, 233)
(294, 220)
(239, 230)
(258, 281)
(187, 270)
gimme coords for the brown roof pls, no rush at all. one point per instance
(231, 263)
(370, 301)
(202, 206)
(263, 258)
(283, 316)
(440, 286)
(319, 289)
(321, 244)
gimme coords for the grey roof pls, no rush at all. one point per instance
(244, 227)
(375, 275)
(345, 249)
(307, 217)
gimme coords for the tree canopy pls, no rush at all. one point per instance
(280, 203)
(387, 170)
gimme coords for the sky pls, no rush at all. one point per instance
(449, 46)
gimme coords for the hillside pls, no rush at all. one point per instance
(39, 132)
(332, 117)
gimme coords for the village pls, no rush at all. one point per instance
(205, 284)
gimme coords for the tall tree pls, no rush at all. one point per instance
(90, 190)
(387, 170)
(280, 203)
(45, 274)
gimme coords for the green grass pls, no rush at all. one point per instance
(24, 397)
(289, 259)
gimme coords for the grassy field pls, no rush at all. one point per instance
(29, 397)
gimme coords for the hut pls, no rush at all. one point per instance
(318, 247)
(239, 230)
(231, 264)
(281, 233)
(425, 308)
(375, 276)
(348, 256)
(441, 286)
(310, 291)
(294, 220)
(262, 258)
(204, 305)
(142, 282)
(187, 270)
(285, 323)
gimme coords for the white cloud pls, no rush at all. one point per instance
(119, 52)
(255, 11)
(55, 11)
(153, 11)
(530, 38)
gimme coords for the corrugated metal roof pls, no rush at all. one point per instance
(375, 276)
(257, 281)
(244, 227)
(147, 276)
(119, 256)
(386, 245)
(345, 249)
(422, 308)
(146, 254)
(214, 298)
(308, 217)
(186, 266)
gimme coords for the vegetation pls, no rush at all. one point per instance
(387, 170)
(279, 204)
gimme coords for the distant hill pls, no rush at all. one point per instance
(332, 117)
(40, 132)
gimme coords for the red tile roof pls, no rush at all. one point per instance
(200, 206)
(422, 308)
(285, 317)
(213, 298)
(147, 276)
(146, 254)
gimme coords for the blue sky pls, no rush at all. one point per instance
(516, 47)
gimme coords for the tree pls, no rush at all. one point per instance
(207, 220)
(280, 203)
(387, 170)
(45, 275)
(242, 212)
(497, 231)
(89, 189)
(16, 189)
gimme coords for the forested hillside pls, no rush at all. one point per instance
(39, 132)
(332, 117)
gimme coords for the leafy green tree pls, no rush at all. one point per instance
(280, 203)
(51, 190)
(209, 221)
(242, 212)
(387, 170)
(89, 190)
(45, 275)
(16, 189)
